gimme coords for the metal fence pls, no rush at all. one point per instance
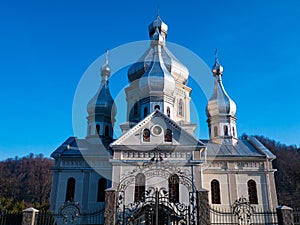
(296, 214)
(217, 216)
(47, 218)
(11, 219)
(257, 217)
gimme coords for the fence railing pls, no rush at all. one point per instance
(258, 217)
(217, 216)
(11, 219)
(296, 214)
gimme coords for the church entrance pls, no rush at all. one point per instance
(156, 215)
(155, 208)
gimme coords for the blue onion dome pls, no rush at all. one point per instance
(157, 79)
(102, 102)
(158, 24)
(220, 103)
(158, 33)
(217, 69)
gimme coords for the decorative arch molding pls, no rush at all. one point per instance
(155, 170)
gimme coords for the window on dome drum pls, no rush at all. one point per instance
(70, 189)
(106, 131)
(225, 130)
(174, 188)
(101, 190)
(252, 192)
(157, 107)
(145, 111)
(146, 135)
(233, 131)
(168, 112)
(98, 129)
(215, 192)
(139, 190)
(168, 135)
(215, 131)
(180, 107)
(135, 109)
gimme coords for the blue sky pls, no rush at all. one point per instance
(46, 46)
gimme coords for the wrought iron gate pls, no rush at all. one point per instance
(155, 208)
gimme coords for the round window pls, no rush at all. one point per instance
(156, 130)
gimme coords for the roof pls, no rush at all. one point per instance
(180, 136)
(249, 147)
(74, 147)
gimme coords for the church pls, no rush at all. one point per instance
(157, 166)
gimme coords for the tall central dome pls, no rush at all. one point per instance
(158, 81)
(173, 65)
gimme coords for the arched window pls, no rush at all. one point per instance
(157, 107)
(215, 131)
(180, 107)
(168, 135)
(145, 111)
(146, 135)
(139, 190)
(215, 192)
(174, 188)
(252, 192)
(225, 130)
(101, 190)
(168, 112)
(106, 131)
(70, 192)
(98, 129)
(135, 109)
(233, 131)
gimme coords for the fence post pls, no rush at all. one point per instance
(110, 207)
(203, 212)
(29, 216)
(285, 215)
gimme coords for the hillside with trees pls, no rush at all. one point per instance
(287, 177)
(26, 181)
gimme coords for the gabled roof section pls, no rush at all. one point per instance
(249, 147)
(69, 147)
(74, 147)
(134, 137)
(260, 147)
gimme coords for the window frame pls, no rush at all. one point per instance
(70, 189)
(140, 187)
(215, 192)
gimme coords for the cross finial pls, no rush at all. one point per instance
(106, 57)
(157, 9)
(216, 55)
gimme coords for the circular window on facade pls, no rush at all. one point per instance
(156, 130)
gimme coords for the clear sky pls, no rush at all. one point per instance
(46, 46)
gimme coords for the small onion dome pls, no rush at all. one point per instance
(157, 78)
(173, 65)
(220, 103)
(105, 70)
(157, 38)
(102, 102)
(158, 23)
(217, 69)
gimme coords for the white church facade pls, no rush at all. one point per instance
(157, 166)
